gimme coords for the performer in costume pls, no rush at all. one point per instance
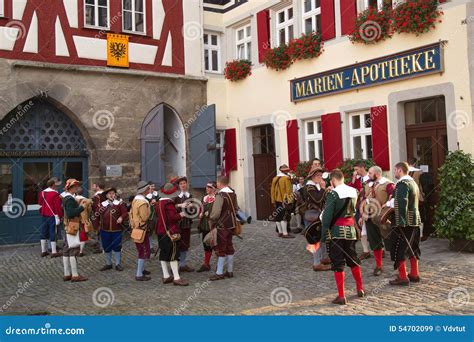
(112, 214)
(406, 235)
(167, 229)
(377, 192)
(51, 211)
(182, 202)
(223, 218)
(338, 230)
(152, 197)
(139, 216)
(72, 211)
(97, 199)
(204, 223)
(298, 196)
(314, 197)
(282, 196)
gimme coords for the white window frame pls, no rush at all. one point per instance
(315, 137)
(246, 42)
(313, 14)
(134, 24)
(220, 147)
(96, 15)
(2, 8)
(285, 25)
(209, 47)
(380, 4)
(363, 131)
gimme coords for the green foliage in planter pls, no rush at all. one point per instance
(277, 58)
(302, 169)
(454, 216)
(347, 167)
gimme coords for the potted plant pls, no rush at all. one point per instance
(372, 26)
(454, 215)
(416, 16)
(277, 58)
(238, 69)
(306, 47)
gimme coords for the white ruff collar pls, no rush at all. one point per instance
(310, 182)
(345, 191)
(140, 197)
(406, 177)
(106, 203)
(49, 190)
(98, 192)
(226, 189)
(281, 174)
(185, 194)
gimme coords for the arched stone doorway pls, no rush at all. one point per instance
(37, 141)
(163, 145)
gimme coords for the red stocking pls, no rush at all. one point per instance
(207, 257)
(357, 274)
(340, 283)
(378, 254)
(414, 267)
(402, 270)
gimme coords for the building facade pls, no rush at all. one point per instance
(421, 108)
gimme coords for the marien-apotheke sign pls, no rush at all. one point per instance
(412, 63)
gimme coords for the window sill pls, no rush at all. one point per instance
(135, 33)
(98, 28)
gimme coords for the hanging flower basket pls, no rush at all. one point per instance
(277, 58)
(372, 26)
(306, 47)
(238, 69)
(416, 16)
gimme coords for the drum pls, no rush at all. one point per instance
(386, 214)
(312, 215)
(383, 221)
(313, 232)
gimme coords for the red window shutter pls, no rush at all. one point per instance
(380, 149)
(328, 22)
(230, 150)
(263, 33)
(332, 140)
(348, 15)
(292, 142)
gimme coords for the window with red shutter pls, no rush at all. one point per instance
(348, 15)
(292, 143)
(381, 153)
(328, 21)
(332, 140)
(263, 33)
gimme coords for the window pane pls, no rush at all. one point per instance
(441, 109)
(428, 110)
(357, 147)
(307, 5)
(320, 149)
(206, 59)
(139, 27)
(281, 17)
(103, 20)
(290, 13)
(127, 5)
(368, 146)
(310, 128)
(90, 2)
(311, 151)
(318, 23)
(139, 5)
(103, 3)
(290, 33)
(318, 3)
(6, 183)
(240, 34)
(214, 61)
(90, 16)
(248, 31)
(367, 121)
(282, 36)
(308, 25)
(127, 21)
(249, 51)
(319, 127)
(240, 51)
(355, 121)
(213, 39)
(205, 39)
(36, 176)
(72, 170)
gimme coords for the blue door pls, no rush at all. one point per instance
(41, 143)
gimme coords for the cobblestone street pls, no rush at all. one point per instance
(273, 276)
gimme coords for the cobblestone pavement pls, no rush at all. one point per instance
(272, 276)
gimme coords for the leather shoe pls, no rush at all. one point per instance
(400, 282)
(145, 272)
(365, 255)
(204, 268)
(180, 282)
(340, 301)
(361, 293)
(321, 267)
(80, 255)
(78, 279)
(326, 261)
(186, 269)
(229, 274)
(56, 255)
(142, 278)
(414, 279)
(67, 278)
(44, 254)
(280, 234)
(378, 271)
(217, 277)
(119, 268)
(168, 280)
(106, 268)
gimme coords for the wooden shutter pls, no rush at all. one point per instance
(332, 140)
(328, 22)
(292, 142)
(348, 15)
(263, 33)
(230, 150)
(380, 148)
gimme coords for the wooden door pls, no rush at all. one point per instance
(265, 170)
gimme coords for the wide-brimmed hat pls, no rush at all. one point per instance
(314, 170)
(284, 168)
(169, 190)
(109, 190)
(181, 178)
(53, 181)
(70, 183)
(142, 186)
